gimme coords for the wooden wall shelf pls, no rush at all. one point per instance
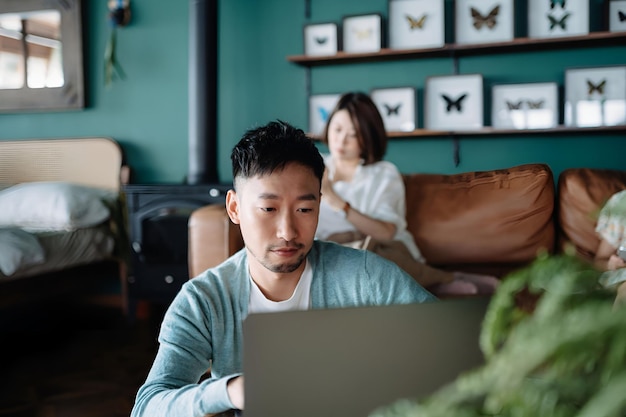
(457, 50)
(490, 131)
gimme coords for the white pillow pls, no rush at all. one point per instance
(53, 206)
(18, 249)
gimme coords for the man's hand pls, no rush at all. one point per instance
(234, 388)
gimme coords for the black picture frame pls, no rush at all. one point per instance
(362, 33)
(397, 107)
(321, 39)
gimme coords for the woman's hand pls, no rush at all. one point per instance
(615, 262)
(329, 195)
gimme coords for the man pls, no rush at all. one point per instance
(277, 172)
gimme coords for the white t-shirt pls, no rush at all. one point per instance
(376, 190)
(299, 300)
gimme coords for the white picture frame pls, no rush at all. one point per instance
(557, 18)
(595, 96)
(525, 106)
(397, 107)
(617, 16)
(416, 24)
(362, 33)
(454, 102)
(321, 39)
(484, 21)
(320, 107)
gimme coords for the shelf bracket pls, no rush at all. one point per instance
(456, 151)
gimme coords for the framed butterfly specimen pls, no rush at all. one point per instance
(362, 33)
(595, 96)
(397, 106)
(483, 21)
(453, 102)
(321, 39)
(617, 16)
(320, 107)
(525, 106)
(416, 24)
(557, 18)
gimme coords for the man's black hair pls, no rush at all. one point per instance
(263, 150)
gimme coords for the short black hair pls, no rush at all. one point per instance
(265, 149)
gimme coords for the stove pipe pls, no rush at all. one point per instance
(202, 92)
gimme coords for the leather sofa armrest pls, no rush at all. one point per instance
(582, 192)
(212, 238)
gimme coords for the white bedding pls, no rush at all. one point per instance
(64, 249)
(48, 226)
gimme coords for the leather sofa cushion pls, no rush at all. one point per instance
(582, 192)
(491, 217)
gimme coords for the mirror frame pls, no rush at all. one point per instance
(72, 94)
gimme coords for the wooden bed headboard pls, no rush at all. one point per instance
(95, 162)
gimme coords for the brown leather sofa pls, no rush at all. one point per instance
(488, 222)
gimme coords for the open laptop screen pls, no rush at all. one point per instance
(348, 362)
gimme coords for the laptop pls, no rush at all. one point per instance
(348, 362)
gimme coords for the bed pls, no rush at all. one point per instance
(62, 222)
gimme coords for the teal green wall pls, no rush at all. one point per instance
(147, 112)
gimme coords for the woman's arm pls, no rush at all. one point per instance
(365, 224)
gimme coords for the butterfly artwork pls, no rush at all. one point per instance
(392, 110)
(363, 34)
(321, 40)
(514, 105)
(591, 87)
(453, 104)
(416, 23)
(535, 105)
(554, 3)
(621, 16)
(554, 22)
(489, 20)
(324, 113)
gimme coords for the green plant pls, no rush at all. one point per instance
(563, 356)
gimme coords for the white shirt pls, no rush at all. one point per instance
(299, 300)
(376, 190)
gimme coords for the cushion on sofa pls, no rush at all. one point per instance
(581, 194)
(493, 217)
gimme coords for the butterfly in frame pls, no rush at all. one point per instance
(321, 40)
(416, 23)
(489, 20)
(451, 104)
(591, 87)
(553, 3)
(554, 22)
(392, 110)
(514, 105)
(535, 105)
(362, 34)
(324, 113)
(621, 16)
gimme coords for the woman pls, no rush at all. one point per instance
(611, 227)
(363, 198)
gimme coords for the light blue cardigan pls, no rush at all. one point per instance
(203, 326)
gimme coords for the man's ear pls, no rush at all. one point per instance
(232, 206)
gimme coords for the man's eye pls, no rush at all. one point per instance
(267, 209)
(305, 210)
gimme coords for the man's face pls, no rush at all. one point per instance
(278, 216)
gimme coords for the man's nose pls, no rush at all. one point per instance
(287, 227)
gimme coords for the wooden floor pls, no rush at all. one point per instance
(73, 360)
